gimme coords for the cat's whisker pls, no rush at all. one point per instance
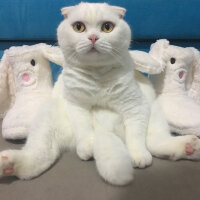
(104, 47)
(83, 48)
(116, 55)
(117, 50)
(72, 57)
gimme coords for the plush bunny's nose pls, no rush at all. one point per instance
(93, 38)
(181, 74)
(26, 77)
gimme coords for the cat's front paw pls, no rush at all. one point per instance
(141, 159)
(85, 148)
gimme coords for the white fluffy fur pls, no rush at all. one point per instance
(194, 89)
(118, 137)
(145, 63)
(6, 85)
(172, 85)
(25, 97)
(103, 78)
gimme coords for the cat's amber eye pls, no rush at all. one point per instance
(79, 27)
(107, 27)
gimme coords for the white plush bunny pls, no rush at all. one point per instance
(172, 85)
(26, 81)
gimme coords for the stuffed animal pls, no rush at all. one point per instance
(26, 82)
(172, 86)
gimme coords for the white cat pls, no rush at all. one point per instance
(98, 71)
(96, 99)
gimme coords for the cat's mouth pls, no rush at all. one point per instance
(93, 50)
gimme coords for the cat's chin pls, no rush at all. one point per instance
(95, 59)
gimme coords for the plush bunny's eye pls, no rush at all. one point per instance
(33, 62)
(172, 60)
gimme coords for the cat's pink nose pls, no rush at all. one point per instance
(93, 38)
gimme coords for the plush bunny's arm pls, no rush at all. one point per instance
(143, 62)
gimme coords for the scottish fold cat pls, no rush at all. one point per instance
(98, 71)
(99, 106)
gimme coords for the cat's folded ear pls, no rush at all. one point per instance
(119, 10)
(66, 10)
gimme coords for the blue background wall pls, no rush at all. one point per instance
(149, 19)
(34, 21)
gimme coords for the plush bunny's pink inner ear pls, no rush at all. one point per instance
(66, 10)
(119, 10)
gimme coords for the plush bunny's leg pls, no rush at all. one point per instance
(112, 159)
(182, 113)
(52, 135)
(162, 144)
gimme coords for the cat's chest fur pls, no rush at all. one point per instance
(95, 86)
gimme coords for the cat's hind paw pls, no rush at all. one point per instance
(6, 165)
(85, 148)
(189, 149)
(186, 147)
(192, 149)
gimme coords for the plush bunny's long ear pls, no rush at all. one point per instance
(53, 54)
(7, 86)
(3, 75)
(143, 62)
(196, 55)
(194, 78)
(195, 68)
